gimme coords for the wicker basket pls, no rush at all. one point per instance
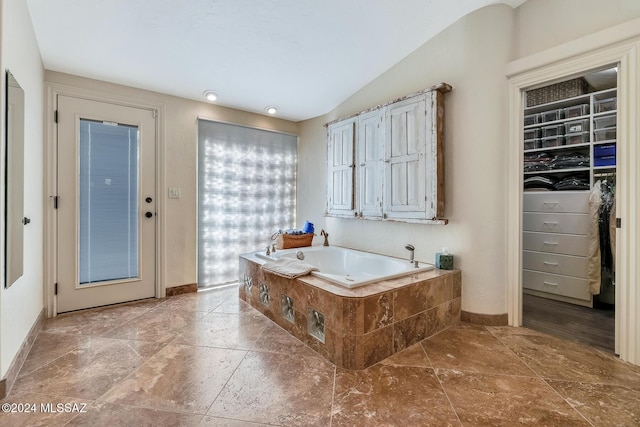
(557, 91)
(288, 241)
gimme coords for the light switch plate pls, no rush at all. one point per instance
(174, 193)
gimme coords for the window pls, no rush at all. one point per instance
(246, 192)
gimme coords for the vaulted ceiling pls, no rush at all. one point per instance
(304, 56)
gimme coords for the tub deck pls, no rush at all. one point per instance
(358, 327)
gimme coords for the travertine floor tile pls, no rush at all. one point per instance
(109, 414)
(49, 346)
(274, 339)
(412, 356)
(471, 350)
(179, 378)
(43, 410)
(551, 357)
(225, 330)
(224, 422)
(88, 371)
(278, 389)
(160, 325)
(101, 319)
(234, 306)
(210, 359)
(504, 400)
(602, 404)
(201, 301)
(386, 395)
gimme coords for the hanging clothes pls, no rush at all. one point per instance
(594, 263)
(612, 231)
(604, 221)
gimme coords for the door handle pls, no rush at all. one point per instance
(148, 214)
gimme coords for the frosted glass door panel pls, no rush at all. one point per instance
(108, 202)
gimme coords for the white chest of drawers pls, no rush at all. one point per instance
(555, 245)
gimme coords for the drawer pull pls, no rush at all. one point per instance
(551, 243)
(550, 203)
(550, 284)
(554, 223)
(555, 264)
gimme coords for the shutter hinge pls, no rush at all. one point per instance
(55, 116)
(618, 222)
(55, 202)
(55, 289)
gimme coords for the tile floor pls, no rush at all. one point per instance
(209, 359)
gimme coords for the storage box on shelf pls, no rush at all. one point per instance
(531, 119)
(552, 141)
(554, 130)
(604, 122)
(604, 161)
(604, 150)
(603, 105)
(557, 91)
(532, 144)
(576, 111)
(577, 126)
(606, 134)
(552, 115)
(577, 138)
(532, 133)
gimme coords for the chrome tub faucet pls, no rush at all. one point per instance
(411, 249)
(326, 237)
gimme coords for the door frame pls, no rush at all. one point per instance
(50, 140)
(618, 44)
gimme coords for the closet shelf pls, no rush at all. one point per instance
(570, 147)
(555, 171)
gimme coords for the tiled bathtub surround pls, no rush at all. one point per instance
(360, 326)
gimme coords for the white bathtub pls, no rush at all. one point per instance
(348, 267)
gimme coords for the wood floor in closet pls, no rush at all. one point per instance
(591, 326)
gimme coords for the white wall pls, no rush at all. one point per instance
(22, 302)
(542, 24)
(470, 55)
(180, 160)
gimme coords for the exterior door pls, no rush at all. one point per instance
(106, 204)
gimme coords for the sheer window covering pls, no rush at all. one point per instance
(246, 192)
(108, 205)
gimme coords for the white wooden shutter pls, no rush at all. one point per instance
(370, 151)
(340, 167)
(405, 145)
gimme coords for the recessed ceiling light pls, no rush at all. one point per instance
(210, 95)
(271, 109)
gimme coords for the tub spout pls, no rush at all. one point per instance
(326, 237)
(410, 248)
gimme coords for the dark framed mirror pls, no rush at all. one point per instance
(14, 219)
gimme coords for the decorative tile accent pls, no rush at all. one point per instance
(182, 289)
(355, 328)
(248, 283)
(286, 308)
(263, 293)
(315, 324)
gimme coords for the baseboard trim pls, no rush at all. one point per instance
(7, 382)
(484, 319)
(182, 289)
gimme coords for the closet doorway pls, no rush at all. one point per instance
(569, 221)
